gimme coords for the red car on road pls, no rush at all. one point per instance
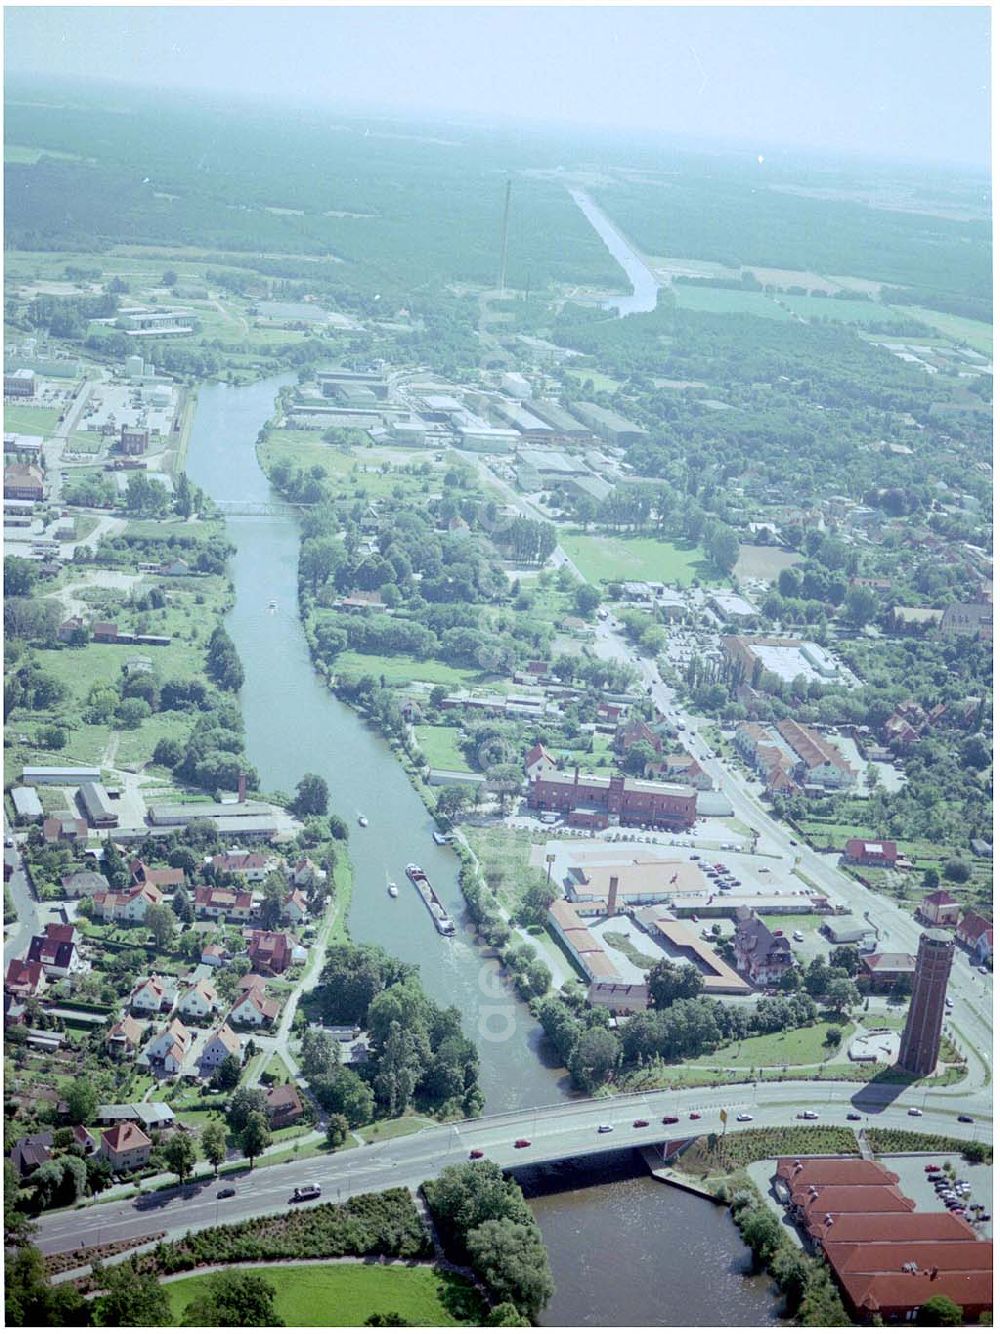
(522, 1144)
(695, 1116)
(638, 1125)
(475, 1153)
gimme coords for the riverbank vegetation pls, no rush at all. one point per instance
(484, 1221)
(420, 1057)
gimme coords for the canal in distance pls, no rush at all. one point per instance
(670, 1255)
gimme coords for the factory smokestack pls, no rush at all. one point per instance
(502, 284)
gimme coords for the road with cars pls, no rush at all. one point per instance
(566, 1130)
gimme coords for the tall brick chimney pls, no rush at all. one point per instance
(612, 895)
(242, 788)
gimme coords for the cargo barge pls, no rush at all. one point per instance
(444, 924)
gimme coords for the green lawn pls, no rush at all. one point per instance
(29, 421)
(799, 1046)
(726, 301)
(441, 749)
(345, 1295)
(599, 380)
(601, 558)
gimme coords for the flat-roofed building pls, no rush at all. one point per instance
(608, 424)
(97, 806)
(563, 423)
(685, 946)
(27, 804)
(68, 776)
(19, 384)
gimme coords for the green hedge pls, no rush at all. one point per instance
(885, 1140)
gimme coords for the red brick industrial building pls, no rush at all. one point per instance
(594, 802)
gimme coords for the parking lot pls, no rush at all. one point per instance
(914, 1182)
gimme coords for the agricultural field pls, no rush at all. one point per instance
(729, 301)
(976, 333)
(602, 559)
(346, 1295)
(847, 312)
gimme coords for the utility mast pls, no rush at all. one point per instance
(503, 242)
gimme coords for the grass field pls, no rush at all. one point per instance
(359, 471)
(503, 857)
(29, 421)
(346, 1295)
(799, 1046)
(440, 747)
(976, 333)
(401, 669)
(761, 562)
(599, 380)
(600, 559)
(723, 301)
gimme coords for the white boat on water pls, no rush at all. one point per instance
(392, 890)
(363, 821)
(272, 605)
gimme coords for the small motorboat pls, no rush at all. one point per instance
(272, 605)
(392, 890)
(363, 821)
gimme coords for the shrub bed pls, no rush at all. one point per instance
(380, 1224)
(87, 1255)
(884, 1140)
(726, 1153)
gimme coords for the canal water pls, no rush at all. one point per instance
(645, 284)
(295, 725)
(673, 1259)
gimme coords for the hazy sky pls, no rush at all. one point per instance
(911, 82)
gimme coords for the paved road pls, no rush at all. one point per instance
(565, 1130)
(897, 929)
(18, 937)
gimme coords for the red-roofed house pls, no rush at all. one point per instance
(198, 1002)
(875, 852)
(537, 760)
(254, 1010)
(270, 951)
(152, 995)
(130, 905)
(125, 1147)
(975, 932)
(221, 1044)
(124, 1038)
(939, 909)
(170, 1046)
(284, 1106)
(167, 878)
(56, 950)
(214, 902)
(23, 978)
